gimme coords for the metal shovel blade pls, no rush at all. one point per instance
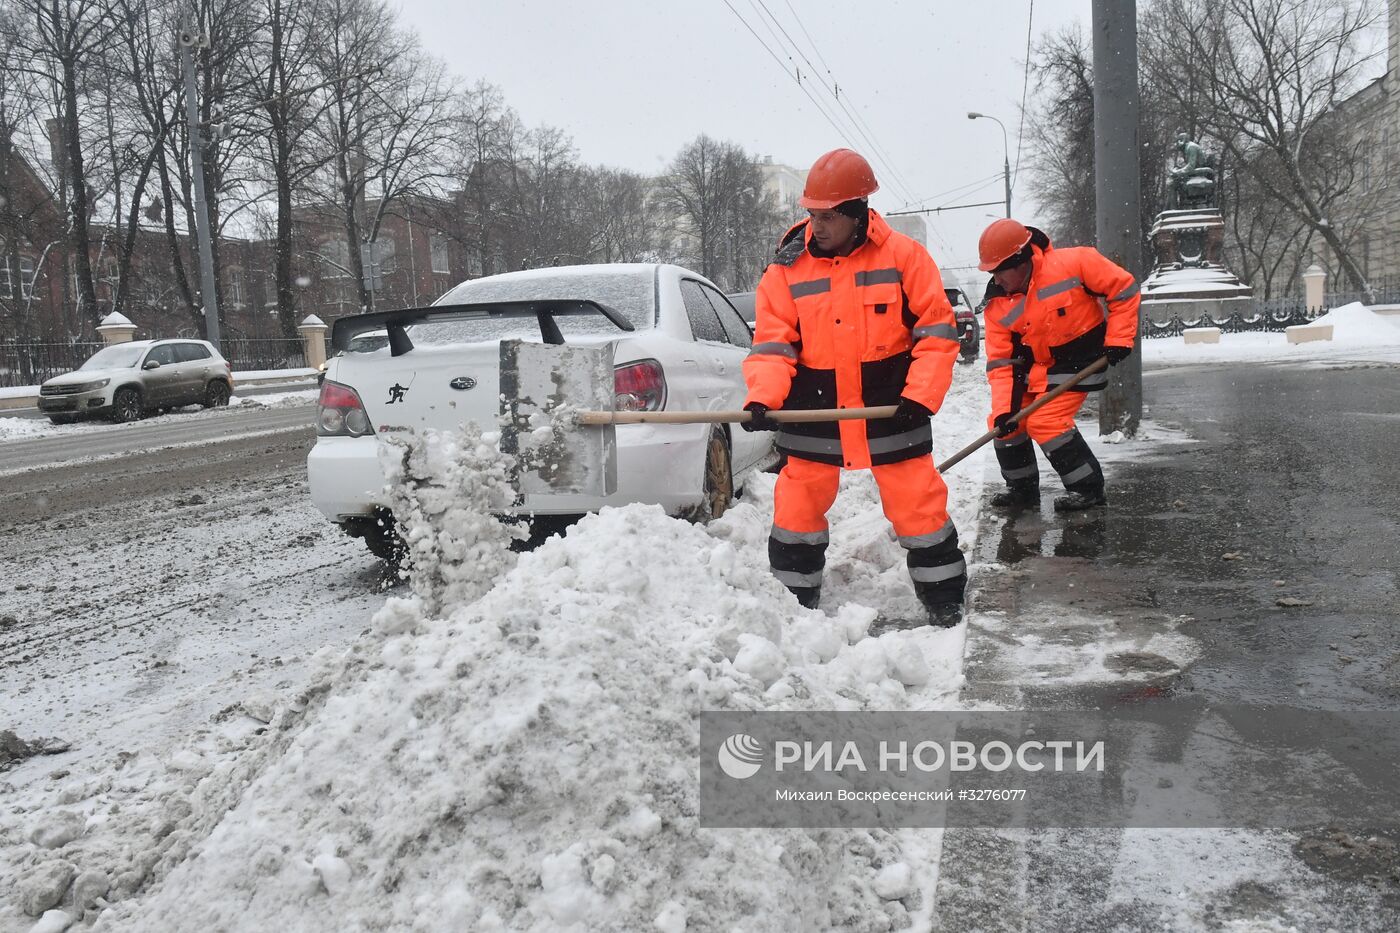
(540, 385)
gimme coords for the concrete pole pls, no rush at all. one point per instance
(208, 291)
(1006, 176)
(1116, 184)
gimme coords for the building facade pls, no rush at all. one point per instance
(1371, 210)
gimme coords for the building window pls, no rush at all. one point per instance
(386, 254)
(234, 290)
(335, 259)
(437, 243)
(25, 275)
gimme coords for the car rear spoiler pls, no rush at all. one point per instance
(544, 310)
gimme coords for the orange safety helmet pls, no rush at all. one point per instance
(1001, 240)
(840, 175)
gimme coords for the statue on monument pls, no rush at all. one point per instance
(1191, 179)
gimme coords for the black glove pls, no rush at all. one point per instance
(1003, 424)
(760, 420)
(1117, 355)
(911, 412)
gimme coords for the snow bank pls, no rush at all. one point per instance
(528, 759)
(1359, 325)
(514, 746)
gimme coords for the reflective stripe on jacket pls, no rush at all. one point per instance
(1060, 321)
(851, 331)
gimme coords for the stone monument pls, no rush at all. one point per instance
(1189, 277)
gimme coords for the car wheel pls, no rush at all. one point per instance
(718, 481)
(126, 405)
(380, 534)
(216, 395)
(63, 419)
(971, 343)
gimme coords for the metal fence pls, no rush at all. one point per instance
(1273, 314)
(247, 353)
(30, 362)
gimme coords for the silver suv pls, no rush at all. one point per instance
(127, 380)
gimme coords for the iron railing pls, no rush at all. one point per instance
(1272, 314)
(246, 353)
(30, 362)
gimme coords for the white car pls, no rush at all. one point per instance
(126, 380)
(685, 352)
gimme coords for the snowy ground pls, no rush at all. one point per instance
(15, 428)
(519, 756)
(289, 802)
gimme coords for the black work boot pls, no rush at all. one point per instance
(944, 614)
(1076, 500)
(808, 596)
(1017, 496)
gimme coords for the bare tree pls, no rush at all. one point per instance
(1267, 75)
(386, 123)
(286, 82)
(625, 222)
(68, 37)
(715, 192)
(25, 216)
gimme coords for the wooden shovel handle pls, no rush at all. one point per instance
(1098, 364)
(732, 417)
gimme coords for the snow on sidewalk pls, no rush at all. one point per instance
(1358, 334)
(527, 759)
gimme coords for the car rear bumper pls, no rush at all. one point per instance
(656, 464)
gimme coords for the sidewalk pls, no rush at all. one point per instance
(1243, 567)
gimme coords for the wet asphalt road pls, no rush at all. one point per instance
(1289, 491)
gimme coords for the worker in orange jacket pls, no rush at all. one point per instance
(1045, 320)
(851, 314)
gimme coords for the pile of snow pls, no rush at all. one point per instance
(22, 428)
(515, 746)
(1358, 325)
(276, 399)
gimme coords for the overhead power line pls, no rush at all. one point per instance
(1025, 82)
(832, 114)
(841, 131)
(878, 150)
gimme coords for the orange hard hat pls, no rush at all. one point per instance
(1001, 240)
(840, 175)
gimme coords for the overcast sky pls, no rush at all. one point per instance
(632, 81)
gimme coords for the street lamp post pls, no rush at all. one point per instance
(1005, 154)
(189, 40)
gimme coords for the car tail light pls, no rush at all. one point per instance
(339, 412)
(639, 386)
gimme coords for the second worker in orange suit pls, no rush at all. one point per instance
(851, 313)
(1049, 313)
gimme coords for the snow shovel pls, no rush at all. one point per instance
(558, 417)
(1054, 393)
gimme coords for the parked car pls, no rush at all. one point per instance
(969, 328)
(747, 305)
(685, 353)
(126, 380)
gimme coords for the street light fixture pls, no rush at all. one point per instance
(1005, 153)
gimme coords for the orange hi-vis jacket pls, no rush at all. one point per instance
(851, 331)
(1059, 325)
